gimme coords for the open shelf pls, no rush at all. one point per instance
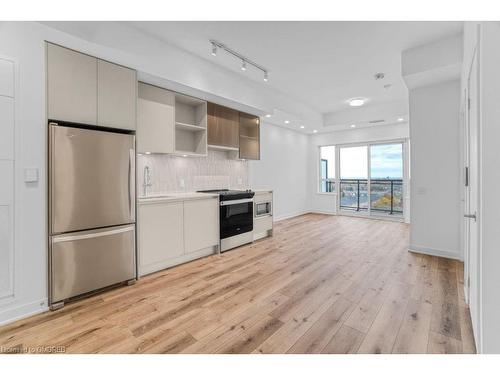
(249, 137)
(190, 125)
(223, 148)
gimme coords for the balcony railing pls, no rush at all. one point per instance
(386, 195)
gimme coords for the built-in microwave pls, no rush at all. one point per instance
(263, 209)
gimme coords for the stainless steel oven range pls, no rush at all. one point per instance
(236, 217)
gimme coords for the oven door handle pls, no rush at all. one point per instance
(236, 201)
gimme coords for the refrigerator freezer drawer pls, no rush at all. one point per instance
(85, 261)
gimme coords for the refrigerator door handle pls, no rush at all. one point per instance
(87, 236)
(131, 183)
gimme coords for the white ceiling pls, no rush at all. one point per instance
(322, 64)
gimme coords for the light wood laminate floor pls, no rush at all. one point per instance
(322, 284)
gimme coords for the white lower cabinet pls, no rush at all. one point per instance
(161, 235)
(201, 224)
(171, 233)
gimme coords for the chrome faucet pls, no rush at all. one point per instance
(146, 181)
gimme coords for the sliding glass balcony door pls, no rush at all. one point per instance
(371, 179)
(354, 178)
(386, 179)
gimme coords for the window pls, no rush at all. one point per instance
(371, 178)
(327, 169)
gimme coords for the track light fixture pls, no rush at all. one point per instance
(244, 61)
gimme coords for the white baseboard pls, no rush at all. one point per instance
(436, 252)
(24, 311)
(323, 212)
(289, 216)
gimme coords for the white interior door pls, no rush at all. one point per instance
(472, 256)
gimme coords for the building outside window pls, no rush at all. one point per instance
(327, 169)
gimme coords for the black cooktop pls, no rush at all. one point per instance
(226, 194)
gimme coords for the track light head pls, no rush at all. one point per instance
(266, 76)
(243, 65)
(214, 49)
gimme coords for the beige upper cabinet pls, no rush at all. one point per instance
(223, 126)
(155, 120)
(71, 86)
(249, 136)
(116, 96)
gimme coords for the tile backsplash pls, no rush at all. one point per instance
(171, 173)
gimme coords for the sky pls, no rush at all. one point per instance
(386, 161)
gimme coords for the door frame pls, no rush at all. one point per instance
(476, 57)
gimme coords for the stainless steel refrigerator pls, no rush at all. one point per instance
(91, 210)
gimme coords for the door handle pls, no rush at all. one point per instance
(131, 184)
(471, 216)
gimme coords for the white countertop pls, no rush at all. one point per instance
(179, 197)
(174, 197)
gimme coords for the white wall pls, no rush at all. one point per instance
(326, 202)
(435, 169)
(283, 168)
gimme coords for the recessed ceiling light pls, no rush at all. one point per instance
(353, 125)
(185, 156)
(315, 131)
(268, 115)
(357, 102)
(302, 126)
(148, 153)
(401, 119)
(287, 121)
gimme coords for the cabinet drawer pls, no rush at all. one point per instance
(262, 224)
(263, 197)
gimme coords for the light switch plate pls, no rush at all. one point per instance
(30, 174)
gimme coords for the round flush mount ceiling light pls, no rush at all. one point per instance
(401, 119)
(302, 126)
(287, 121)
(268, 115)
(353, 125)
(357, 102)
(315, 131)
